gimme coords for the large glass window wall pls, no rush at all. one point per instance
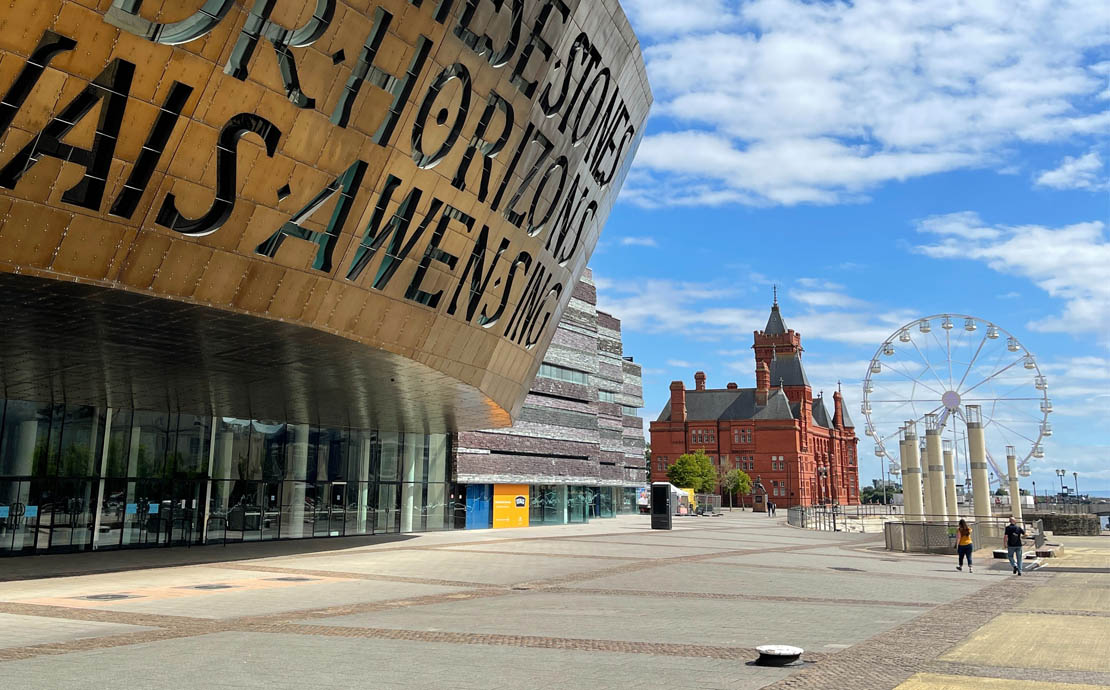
(78, 477)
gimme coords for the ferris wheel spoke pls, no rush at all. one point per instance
(948, 354)
(888, 389)
(995, 374)
(909, 400)
(993, 399)
(913, 378)
(970, 364)
(998, 473)
(1012, 431)
(928, 365)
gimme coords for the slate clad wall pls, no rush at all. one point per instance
(565, 434)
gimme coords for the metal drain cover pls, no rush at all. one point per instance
(847, 570)
(216, 586)
(293, 579)
(107, 597)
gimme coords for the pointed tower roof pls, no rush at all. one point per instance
(775, 324)
(821, 413)
(777, 407)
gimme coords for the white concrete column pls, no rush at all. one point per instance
(413, 454)
(927, 504)
(365, 446)
(26, 436)
(222, 462)
(296, 465)
(977, 454)
(911, 475)
(1015, 488)
(130, 526)
(951, 500)
(103, 464)
(939, 506)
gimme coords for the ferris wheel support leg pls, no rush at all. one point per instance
(980, 483)
(939, 505)
(911, 479)
(1015, 489)
(952, 502)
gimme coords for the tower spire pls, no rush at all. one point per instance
(775, 289)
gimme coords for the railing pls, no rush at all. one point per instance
(835, 518)
(940, 535)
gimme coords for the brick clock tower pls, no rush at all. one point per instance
(777, 432)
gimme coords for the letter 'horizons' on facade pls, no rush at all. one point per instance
(340, 212)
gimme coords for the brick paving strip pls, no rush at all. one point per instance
(533, 641)
(889, 658)
(346, 575)
(865, 573)
(739, 597)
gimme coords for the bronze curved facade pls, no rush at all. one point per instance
(367, 214)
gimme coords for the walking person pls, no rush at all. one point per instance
(964, 546)
(1014, 533)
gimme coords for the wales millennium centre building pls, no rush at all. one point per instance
(261, 261)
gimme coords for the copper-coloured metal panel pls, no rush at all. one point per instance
(337, 211)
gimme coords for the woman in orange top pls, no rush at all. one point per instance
(963, 546)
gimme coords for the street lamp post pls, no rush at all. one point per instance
(1060, 474)
(1034, 495)
(1075, 476)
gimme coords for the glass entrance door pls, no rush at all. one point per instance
(337, 503)
(187, 498)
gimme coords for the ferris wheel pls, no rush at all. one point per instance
(935, 367)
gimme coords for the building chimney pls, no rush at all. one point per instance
(678, 401)
(838, 415)
(762, 382)
(731, 386)
(699, 380)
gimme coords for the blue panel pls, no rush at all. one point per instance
(479, 506)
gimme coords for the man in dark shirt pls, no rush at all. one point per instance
(1014, 533)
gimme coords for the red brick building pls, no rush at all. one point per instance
(777, 432)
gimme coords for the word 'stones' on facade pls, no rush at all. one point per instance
(784, 438)
(320, 215)
(577, 448)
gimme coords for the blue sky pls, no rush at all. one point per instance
(880, 161)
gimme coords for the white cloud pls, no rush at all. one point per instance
(1010, 295)
(1069, 263)
(786, 102)
(670, 17)
(682, 364)
(705, 311)
(1083, 172)
(639, 242)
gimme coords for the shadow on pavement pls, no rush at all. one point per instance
(114, 561)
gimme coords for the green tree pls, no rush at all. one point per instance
(737, 482)
(647, 458)
(1001, 492)
(693, 471)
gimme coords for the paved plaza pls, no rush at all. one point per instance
(611, 604)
